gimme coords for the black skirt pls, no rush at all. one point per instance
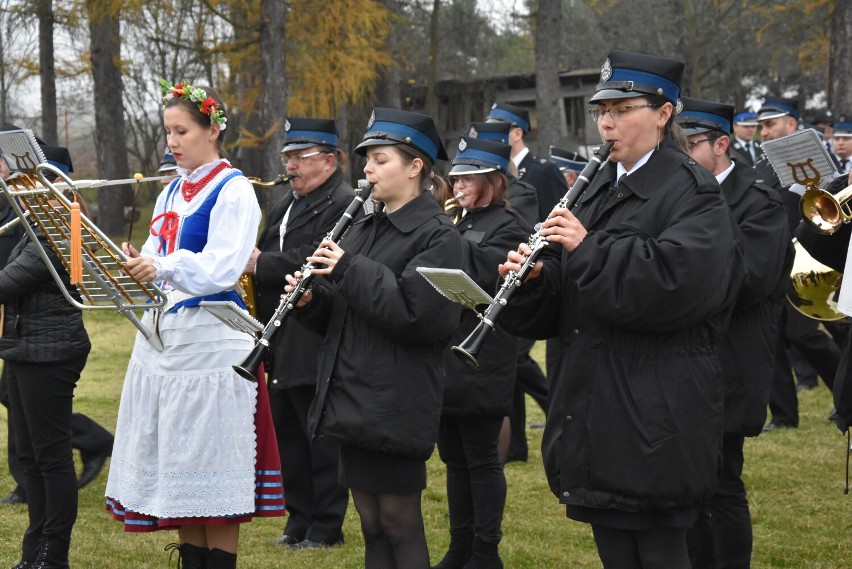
(379, 472)
(633, 521)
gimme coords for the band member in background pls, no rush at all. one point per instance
(385, 330)
(44, 346)
(722, 536)
(477, 399)
(779, 117)
(745, 148)
(633, 435)
(190, 451)
(523, 197)
(569, 163)
(316, 502)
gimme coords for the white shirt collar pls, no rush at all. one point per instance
(518, 158)
(724, 174)
(621, 170)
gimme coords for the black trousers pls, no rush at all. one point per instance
(812, 343)
(657, 548)
(476, 485)
(722, 536)
(40, 397)
(87, 436)
(316, 501)
(528, 380)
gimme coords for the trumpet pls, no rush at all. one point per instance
(248, 367)
(452, 204)
(469, 349)
(826, 212)
(277, 181)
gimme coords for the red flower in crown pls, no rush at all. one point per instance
(208, 106)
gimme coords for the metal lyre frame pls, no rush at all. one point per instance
(106, 283)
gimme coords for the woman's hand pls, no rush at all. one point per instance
(562, 227)
(515, 259)
(292, 281)
(326, 257)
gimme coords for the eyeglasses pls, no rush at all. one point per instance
(695, 143)
(298, 158)
(616, 112)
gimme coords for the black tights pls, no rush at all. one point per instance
(393, 530)
(659, 548)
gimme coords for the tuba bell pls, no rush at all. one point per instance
(813, 287)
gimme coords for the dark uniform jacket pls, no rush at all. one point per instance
(488, 232)
(546, 178)
(523, 198)
(634, 420)
(741, 155)
(385, 331)
(40, 325)
(294, 347)
(747, 350)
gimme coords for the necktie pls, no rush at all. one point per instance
(748, 149)
(844, 165)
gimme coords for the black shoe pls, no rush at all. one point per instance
(13, 498)
(311, 544)
(805, 386)
(92, 466)
(773, 426)
(287, 540)
(833, 415)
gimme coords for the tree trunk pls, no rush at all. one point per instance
(547, 100)
(47, 73)
(273, 85)
(432, 76)
(110, 139)
(388, 91)
(840, 58)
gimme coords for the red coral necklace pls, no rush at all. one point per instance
(190, 189)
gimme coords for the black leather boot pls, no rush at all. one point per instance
(29, 550)
(219, 559)
(189, 556)
(51, 554)
(461, 546)
(484, 556)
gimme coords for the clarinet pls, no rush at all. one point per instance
(469, 349)
(250, 366)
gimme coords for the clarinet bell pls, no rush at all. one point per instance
(249, 367)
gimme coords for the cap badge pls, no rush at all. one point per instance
(606, 70)
(462, 145)
(286, 125)
(678, 107)
(472, 132)
(494, 105)
(372, 120)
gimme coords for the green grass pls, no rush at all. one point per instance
(801, 517)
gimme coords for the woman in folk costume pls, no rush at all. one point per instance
(190, 450)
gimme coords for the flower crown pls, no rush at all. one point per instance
(207, 105)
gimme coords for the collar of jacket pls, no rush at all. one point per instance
(415, 213)
(323, 190)
(738, 182)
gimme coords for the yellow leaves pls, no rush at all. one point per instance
(335, 51)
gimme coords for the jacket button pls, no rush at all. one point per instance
(575, 331)
(470, 226)
(566, 494)
(620, 195)
(274, 381)
(569, 418)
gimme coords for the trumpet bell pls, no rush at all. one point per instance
(813, 287)
(824, 211)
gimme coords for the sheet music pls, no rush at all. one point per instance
(231, 314)
(456, 285)
(800, 157)
(20, 150)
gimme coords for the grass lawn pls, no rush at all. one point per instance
(801, 517)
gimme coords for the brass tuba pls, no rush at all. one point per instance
(813, 287)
